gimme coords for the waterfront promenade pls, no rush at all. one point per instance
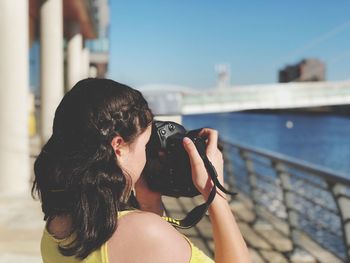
(21, 226)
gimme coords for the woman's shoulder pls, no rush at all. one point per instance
(146, 237)
(143, 219)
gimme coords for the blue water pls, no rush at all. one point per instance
(319, 139)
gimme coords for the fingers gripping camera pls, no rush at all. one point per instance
(168, 168)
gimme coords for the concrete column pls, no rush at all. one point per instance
(74, 54)
(14, 76)
(85, 63)
(51, 40)
(92, 72)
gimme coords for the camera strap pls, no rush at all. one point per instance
(197, 213)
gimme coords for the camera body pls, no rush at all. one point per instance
(168, 168)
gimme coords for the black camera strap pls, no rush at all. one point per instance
(197, 213)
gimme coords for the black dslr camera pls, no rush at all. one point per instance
(168, 168)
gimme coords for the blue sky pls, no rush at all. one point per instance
(180, 42)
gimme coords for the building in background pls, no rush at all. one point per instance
(305, 70)
(99, 47)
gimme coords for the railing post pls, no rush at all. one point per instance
(231, 180)
(254, 195)
(343, 204)
(296, 255)
(288, 200)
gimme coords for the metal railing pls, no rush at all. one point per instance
(303, 202)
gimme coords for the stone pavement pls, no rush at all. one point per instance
(21, 225)
(265, 243)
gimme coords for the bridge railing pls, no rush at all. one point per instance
(305, 203)
(274, 96)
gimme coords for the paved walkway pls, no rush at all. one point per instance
(265, 243)
(201, 235)
(21, 225)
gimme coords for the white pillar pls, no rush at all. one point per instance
(14, 67)
(85, 63)
(51, 40)
(74, 51)
(92, 72)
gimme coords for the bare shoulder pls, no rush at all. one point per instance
(146, 237)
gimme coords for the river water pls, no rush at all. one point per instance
(320, 139)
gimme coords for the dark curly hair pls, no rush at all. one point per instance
(76, 172)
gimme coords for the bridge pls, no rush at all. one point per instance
(169, 100)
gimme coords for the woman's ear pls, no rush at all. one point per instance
(118, 145)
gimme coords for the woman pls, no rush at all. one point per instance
(85, 174)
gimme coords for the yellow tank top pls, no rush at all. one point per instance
(51, 254)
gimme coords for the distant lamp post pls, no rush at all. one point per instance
(223, 76)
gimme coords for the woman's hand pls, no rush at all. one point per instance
(148, 200)
(229, 243)
(200, 177)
